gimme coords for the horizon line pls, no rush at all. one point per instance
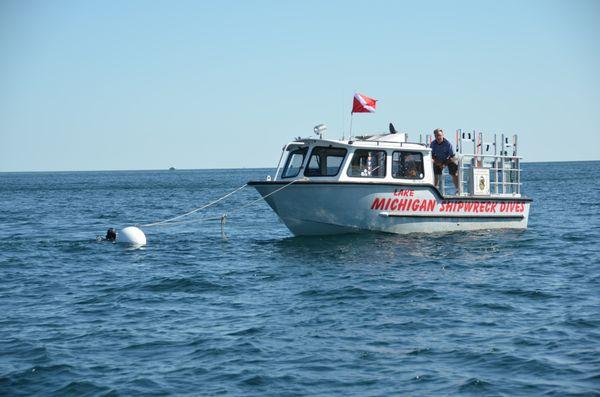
(230, 168)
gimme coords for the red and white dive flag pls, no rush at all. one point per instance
(363, 104)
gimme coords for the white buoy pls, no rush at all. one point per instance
(132, 235)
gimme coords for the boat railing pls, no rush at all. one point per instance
(496, 162)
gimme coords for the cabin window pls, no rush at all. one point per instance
(367, 163)
(294, 162)
(325, 161)
(407, 165)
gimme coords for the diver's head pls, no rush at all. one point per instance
(111, 234)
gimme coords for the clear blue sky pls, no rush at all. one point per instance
(93, 85)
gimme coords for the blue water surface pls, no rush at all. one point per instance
(262, 313)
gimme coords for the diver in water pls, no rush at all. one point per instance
(111, 235)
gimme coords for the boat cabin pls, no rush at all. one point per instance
(390, 158)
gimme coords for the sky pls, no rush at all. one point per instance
(132, 85)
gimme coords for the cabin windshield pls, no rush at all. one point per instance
(367, 163)
(294, 162)
(325, 161)
(407, 165)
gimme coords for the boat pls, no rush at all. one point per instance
(384, 183)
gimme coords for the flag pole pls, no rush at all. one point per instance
(343, 119)
(351, 118)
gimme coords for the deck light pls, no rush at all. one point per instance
(320, 130)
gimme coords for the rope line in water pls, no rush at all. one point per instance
(194, 210)
(215, 218)
(210, 218)
(262, 197)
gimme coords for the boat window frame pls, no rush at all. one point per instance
(289, 159)
(330, 147)
(385, 156)
(409, 152)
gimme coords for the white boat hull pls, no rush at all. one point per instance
(321, 208)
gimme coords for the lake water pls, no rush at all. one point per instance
(263, 313)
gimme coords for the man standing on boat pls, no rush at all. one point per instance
(443, 156)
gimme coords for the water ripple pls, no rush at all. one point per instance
(266, 314)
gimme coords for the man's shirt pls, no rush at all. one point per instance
(441, 152)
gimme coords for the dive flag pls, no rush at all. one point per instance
(363, 104)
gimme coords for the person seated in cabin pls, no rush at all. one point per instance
(442, 155)
(411, 170)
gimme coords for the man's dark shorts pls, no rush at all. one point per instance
(452, 168)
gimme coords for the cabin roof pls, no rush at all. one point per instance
(377, 141)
